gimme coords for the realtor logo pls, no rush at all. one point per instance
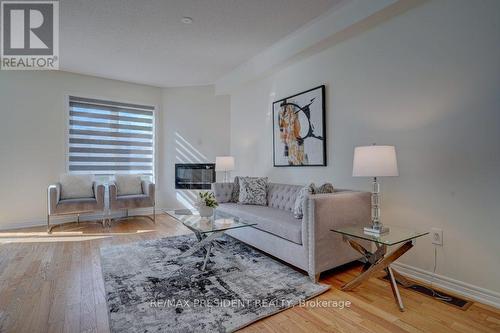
(29, 35)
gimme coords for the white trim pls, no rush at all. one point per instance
(467, 290)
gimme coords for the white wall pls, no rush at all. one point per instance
(194, 129)
(32, 134)
(427, 81)
(33, 116)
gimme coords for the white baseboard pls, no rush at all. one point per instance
(467, 290)
(54, 220)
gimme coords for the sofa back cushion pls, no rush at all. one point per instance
(76, 186)
(223, 192)
(128, 184)
(282, 196)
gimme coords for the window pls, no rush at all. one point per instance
(110, 137)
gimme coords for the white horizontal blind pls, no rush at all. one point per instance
(110, 137)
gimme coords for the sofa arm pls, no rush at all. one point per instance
(112, 191)
(99, 190)
(340, 209)
(148, 188)
(326, 211)
(222, 191)
(53, 197)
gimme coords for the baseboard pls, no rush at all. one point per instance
(467, 290)
(54, 220)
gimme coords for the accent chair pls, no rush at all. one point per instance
(130, 192)
(74, 195)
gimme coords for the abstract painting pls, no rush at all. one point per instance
(299, 129)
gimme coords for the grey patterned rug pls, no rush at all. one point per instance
(150, 289)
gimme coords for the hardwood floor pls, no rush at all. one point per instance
(53, 283)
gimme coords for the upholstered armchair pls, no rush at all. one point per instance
(74, 195)
(130, 192)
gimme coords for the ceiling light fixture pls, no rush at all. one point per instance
(187, 20)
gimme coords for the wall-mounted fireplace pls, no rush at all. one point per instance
(194, 176)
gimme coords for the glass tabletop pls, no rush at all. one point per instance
(219, 222)
(395, 235)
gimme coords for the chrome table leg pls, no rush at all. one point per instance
(395, 290)
(206, 257)
(202, 243)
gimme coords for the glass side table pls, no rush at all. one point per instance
(379, 259)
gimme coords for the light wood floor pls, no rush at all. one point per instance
(54, 284)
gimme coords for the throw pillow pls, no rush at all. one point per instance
(302, 196)
(76, 186)
(253, 191)
(299, 202)
(326, 188)
(235, 194)
(128, 184)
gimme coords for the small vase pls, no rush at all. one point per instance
(205, 211)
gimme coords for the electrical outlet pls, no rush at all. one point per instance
(437, 236)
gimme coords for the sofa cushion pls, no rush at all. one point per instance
(68, 206)
(253, 191)
(222, 191)
(274, 221)
(282, 196)
(128, 184)
(132, 201)
(76, 186)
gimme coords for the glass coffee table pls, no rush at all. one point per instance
(206, 229)
(379, 259)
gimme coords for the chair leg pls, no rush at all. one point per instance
(78, 218)
(154, 214)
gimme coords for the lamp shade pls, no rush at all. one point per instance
(375, 161)
(224, 163)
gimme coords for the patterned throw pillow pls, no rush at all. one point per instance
(235, 194)
(325, 188)
(302, 196)
(253, 191)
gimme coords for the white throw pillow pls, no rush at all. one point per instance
(76, 186)
(128, 184)
(253, 191)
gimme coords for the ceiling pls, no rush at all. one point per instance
(146, 42)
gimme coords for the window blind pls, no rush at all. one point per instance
(110, 137)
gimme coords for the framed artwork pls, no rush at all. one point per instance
(299, 129)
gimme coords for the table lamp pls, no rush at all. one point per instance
(224, 163)
(375, 161)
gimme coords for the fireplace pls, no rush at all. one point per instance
(194, 176)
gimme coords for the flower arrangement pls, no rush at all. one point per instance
(208, 199)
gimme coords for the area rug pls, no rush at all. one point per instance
(150, 289)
